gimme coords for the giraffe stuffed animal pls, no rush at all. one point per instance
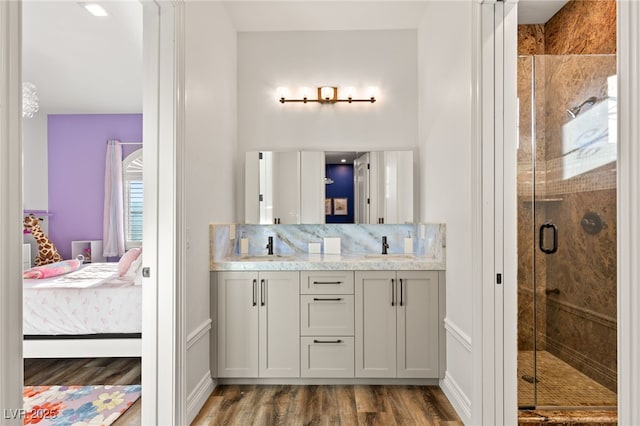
(47, 252)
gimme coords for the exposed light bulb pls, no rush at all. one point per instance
(30, 101)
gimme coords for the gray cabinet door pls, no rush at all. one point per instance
(417, 324)
(375, 323)
(279, 306)
(237, 324)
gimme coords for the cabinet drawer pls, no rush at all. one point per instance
(326, 357)
(326, 315)
(326, 282)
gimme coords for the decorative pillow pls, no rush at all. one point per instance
(52, 269)
(127, 261)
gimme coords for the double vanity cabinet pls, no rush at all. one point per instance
(329, 324)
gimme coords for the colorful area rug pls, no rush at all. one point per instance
(77, 405)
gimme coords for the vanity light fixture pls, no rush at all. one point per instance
(328, 95)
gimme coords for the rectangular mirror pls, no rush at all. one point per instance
(329, 187)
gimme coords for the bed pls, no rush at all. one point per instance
(92, 312)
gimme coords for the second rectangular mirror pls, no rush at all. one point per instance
(329, 187)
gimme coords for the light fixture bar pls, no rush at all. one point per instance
(327, 95)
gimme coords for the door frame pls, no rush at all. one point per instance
(164, 345)
(11, 207)
(164, 337)
(495, 246)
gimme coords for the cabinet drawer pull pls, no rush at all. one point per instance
(327, 282)
(393, 292)
(326, 299)
(401, 295)
(262, 292)
(327, 341)
(255, 285)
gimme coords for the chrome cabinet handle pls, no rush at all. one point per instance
(262, 290)
(255, 285)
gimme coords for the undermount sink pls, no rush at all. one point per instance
(261, 258)
(395, 256)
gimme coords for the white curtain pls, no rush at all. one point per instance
(113, 224)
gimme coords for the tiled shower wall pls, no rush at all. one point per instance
(579, 324)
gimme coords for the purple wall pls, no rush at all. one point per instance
(76, 148)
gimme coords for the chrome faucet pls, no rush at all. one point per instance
(385, 245)
(270, 246)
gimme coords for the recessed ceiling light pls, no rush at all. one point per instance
(95, 9)
(343, 160)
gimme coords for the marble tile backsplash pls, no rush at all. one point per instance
(428, 239)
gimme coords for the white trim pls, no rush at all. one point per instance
(457, 333)
(628, 212)
(199, 333)
(163, 325)
(456, 397)
(326, 381)
(476, 185)
(82, 348)
(11, 369)
(487, 339)
(199, 395)
(508, 363)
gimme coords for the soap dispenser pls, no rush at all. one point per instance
(408, 244)
(244, 244)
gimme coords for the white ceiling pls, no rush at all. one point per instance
(81, 63)
(84, 64)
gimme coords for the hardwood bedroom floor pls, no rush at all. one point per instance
(88, 371)
(266, 404)
(327, 405)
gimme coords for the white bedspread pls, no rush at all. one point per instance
(113, 306)
(89, 275)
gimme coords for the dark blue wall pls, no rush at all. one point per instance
(342, 175)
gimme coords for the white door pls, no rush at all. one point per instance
(279, 307)
(238, 294)
(375, 323)
(362, 188)
(417, 316)
(286, 187)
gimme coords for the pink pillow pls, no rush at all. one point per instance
(128, 259)
(52, 269)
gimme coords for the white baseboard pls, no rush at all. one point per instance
(198, 396)
(457, 398)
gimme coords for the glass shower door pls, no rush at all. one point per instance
(567, 231)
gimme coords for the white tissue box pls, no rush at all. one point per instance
(314, 248)
(332, 245)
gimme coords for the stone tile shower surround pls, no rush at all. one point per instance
(579, 324)
(356, 239)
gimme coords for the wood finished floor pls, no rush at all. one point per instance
(265, 404)
(327, 405)
(88, 371)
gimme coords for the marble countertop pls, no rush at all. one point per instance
(320, 262)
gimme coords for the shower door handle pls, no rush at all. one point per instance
(554, 247)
